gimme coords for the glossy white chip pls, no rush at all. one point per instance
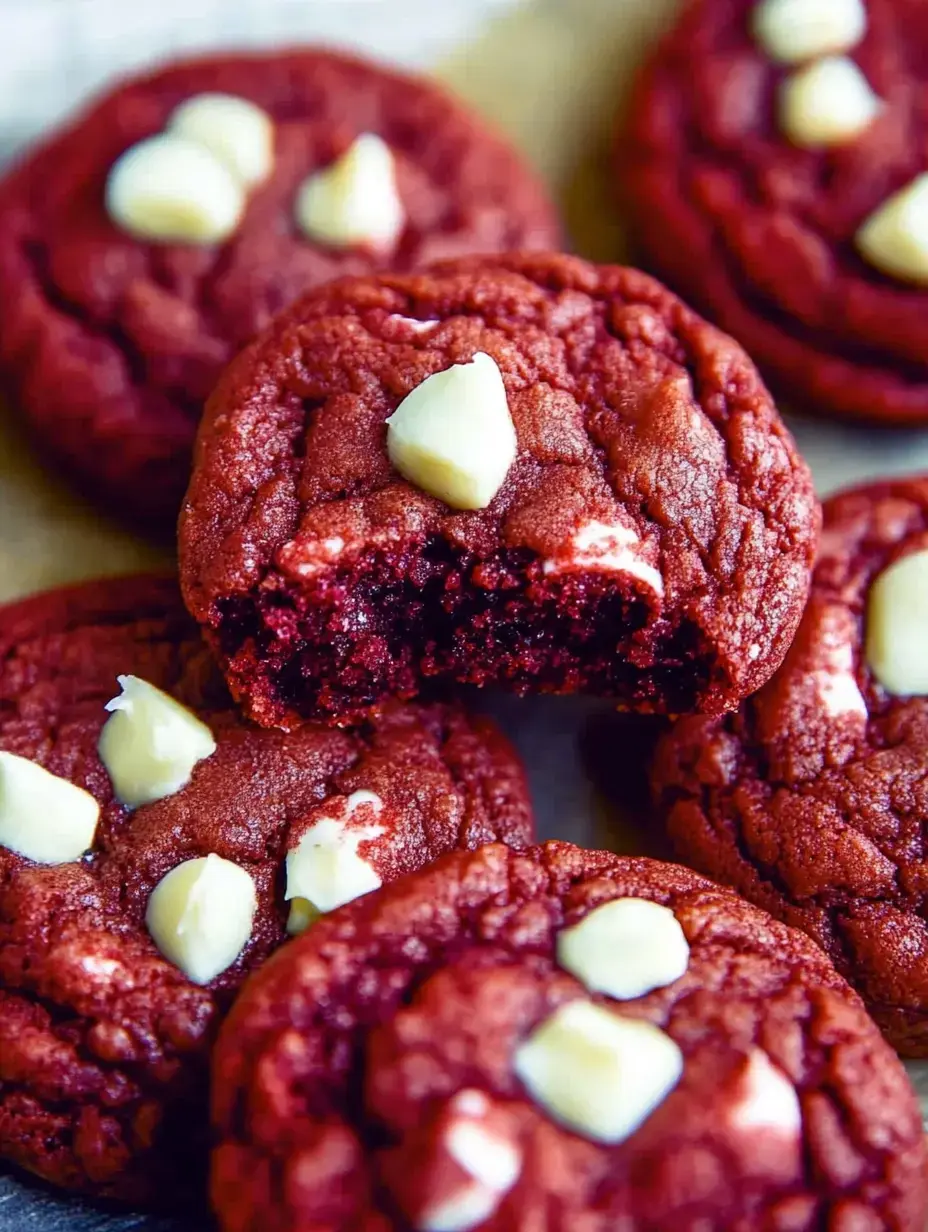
(894, 239)
(791, 31)
(43, 817)
(897, 626)
(355, 201)
(238, 132)
(151, 743)
(829, 103)
(600, 1074)
(453, 436)
(200, 916)
(175, 190)
(625, 948)
(324, 870)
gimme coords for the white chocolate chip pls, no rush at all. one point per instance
(894, 239)
(453, 436)
(598, 1073)
(175, 190)
(897, 626)
(239, 133)
(791, 31)
(625, 948)
(324, 869)
(610, 548)
(767, 1099)
(490, 1163)
(828, 103)
(200, 916)
(355, 201)
(43, 817)
(151, 743)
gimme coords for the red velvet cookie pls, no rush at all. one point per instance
(104, 1038)
(559, 1039)
(650, 537)
(812, 799)
(767, 145)
(112, 337)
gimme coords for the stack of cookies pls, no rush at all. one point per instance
(273, 926)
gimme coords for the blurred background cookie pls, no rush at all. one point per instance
(144, 244)
(773, 169)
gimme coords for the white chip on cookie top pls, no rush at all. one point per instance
(174, 190)
(833, 679)
(625, 948)
(894, 239)
(610, 548)
(897, 626)
(201, 914)
(238, 132)
(453, 435)
(598, 1073)
(151, 743)
(791, 31)
(766, 1099)
(324, 868)
(355, 201)
(42, 816)
(827, 103)
(485, 1160)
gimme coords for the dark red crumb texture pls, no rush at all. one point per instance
(103, 1043)
(758, 233)
(327, 583)
(820, 816)
(335, 1072)
(110, 345)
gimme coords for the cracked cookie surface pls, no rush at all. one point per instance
(812, 799)
(346, 1063)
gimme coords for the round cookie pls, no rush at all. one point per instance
(104, 1041)
(111, 341)
(811, 800)
(433, 1057)
(651, 540)
(760, 167)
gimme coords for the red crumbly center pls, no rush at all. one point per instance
(345, 640)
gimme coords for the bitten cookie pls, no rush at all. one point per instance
(142, 246)
(812, 800)
(527, 471)
(775, 174)
(559, 1039)
(151, 857)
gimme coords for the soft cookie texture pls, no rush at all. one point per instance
(811, 800)
(766, 234)
(103, 1041)
(110, 343)
(397, 1068)
(652, 541)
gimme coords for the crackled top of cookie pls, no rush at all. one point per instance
(634, 418)
(361, 1059)
(762, 230)
(131, 336)
(102, 1038)
(812, 798)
